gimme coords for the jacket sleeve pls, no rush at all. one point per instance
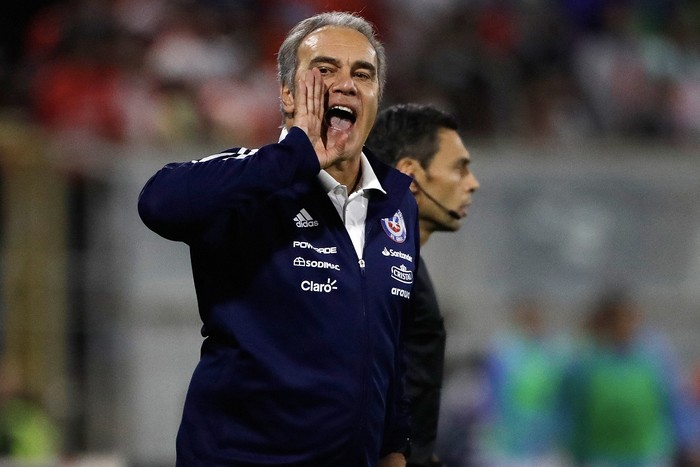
(398, 430)
(181, 198)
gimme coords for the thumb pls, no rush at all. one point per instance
(335, 145)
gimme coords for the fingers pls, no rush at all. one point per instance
(308, 115)
(312, 92)
(336, 143)
(314, 100)
(300, 107)
(308, 112)
(335, 147)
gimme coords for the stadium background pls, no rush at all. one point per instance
(582, 117)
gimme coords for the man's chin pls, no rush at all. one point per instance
(452, 226)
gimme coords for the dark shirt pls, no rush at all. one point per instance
(425, 354)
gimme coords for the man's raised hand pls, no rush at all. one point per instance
(309, 108)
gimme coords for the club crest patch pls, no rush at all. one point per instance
(395, 227)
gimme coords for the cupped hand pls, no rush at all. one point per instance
(308, 115)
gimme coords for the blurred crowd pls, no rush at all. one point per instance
(612, 393)
(174, 71)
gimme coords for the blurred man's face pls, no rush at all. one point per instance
(449, 180)
(625, 323)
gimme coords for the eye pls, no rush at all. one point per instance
(365, 74)
(463, 169)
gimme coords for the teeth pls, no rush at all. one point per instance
(343, 108)
(340, 115)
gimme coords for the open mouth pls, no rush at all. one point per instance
(340, 118)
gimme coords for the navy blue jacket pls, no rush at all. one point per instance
(300, 364)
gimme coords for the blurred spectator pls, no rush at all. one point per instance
(191, 47)
(77, 90)
(622, 394)
(465, 399)
(548, 70)
(689, 452)
(525, 368)
(28, 436)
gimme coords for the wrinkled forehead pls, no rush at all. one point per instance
(337, 42)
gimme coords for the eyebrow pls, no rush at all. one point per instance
(463, 162)
(335, 62)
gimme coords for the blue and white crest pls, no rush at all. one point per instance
(395, 227)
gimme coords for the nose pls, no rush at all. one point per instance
(343, 83)
(472, 183)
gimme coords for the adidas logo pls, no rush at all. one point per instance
(304, 219)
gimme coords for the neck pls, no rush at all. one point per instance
(346, 172)
(425, 232)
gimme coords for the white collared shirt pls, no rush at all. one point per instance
(351, 207)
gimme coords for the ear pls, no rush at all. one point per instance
(287, 98)
(409, 166)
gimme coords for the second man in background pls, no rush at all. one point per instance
(423, 142)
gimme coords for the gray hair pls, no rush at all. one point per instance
(287, 54)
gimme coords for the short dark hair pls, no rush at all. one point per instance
(409, 130)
